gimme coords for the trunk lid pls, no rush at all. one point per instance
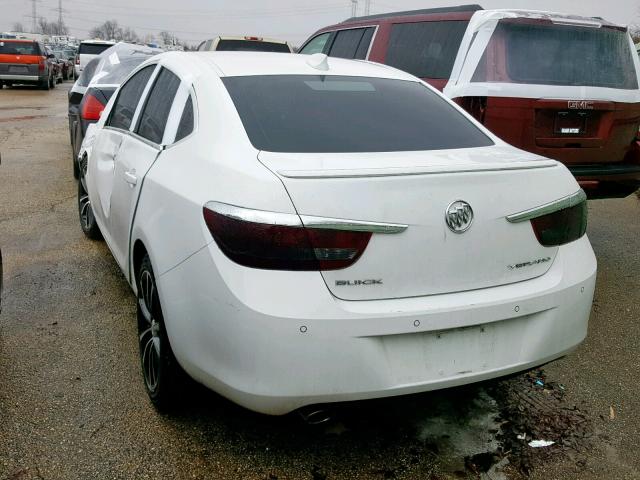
(415, 188)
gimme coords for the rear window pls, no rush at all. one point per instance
(251, 46)
(425, 49)
(114, 74)
(93, 48)
(19, 48)
(567, 55)
(87, 73)
(308, 113)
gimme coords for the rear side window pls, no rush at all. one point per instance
(19, 48)
(185, 127)
(316, 45)
(333, 114)
(251, 46)
(352, 43)
(425, 49)
(157, 107)
(93, 48)
(128, 98)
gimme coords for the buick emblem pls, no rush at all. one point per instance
(459, 216)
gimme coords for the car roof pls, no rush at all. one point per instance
(100, 42)
(250, 39)
(234, 64)
(425, 11)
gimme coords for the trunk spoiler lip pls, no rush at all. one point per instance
(551, 207)
(411, 170)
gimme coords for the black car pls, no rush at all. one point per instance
(100, 78)
(77, 128)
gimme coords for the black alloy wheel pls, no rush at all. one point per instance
(87, 218)
(162, 375)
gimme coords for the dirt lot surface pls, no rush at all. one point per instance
(72, 403)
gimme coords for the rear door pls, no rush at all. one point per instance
(138, 152)
(101, 179)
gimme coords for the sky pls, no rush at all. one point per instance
(292, 20)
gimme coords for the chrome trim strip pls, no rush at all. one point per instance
(560, 204)
(293, 220)
(18, 77)
(255, 216)
(351, 225)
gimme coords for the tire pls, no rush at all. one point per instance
(163, 377)
(76, 168)
(53, 82)
(1, 84)
(45, 84)
(85, 212)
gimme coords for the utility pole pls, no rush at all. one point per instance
(34, 15)
(60, 13)
(367, 7)
(354, 8)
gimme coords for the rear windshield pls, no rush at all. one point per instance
(308, 113)
(117, 73)
(547, 54)
(93, 48)
(87, 73)
(19, 48)
(425, 49)
(251, 46)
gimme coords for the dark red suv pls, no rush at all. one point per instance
(561, 86)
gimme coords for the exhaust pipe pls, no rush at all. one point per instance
(314, 415)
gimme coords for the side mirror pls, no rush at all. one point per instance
(51, 55)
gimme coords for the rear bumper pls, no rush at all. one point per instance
(606, 181)
(276, 341)
(21, 78)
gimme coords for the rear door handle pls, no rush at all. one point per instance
(131, 177)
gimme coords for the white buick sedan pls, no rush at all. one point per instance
(301, 230)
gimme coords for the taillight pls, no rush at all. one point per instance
(41, 63)
(558, 222)
(275, 241)
(562, 226)
(91, 108)
(77, 59)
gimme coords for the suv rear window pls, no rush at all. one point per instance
(19, 48)
(251, 46)
(557, 55)
(93, 48)
(425, 49)
(309, 113)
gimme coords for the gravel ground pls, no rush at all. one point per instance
(72, 404)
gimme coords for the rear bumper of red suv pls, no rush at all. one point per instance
(607, 180)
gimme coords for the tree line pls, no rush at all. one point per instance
(109, 30)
